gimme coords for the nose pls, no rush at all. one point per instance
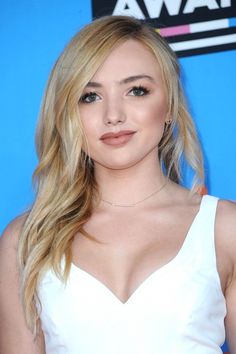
(114, 113)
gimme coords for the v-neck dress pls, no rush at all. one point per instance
(178, 309)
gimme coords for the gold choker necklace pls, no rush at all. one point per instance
(136, 203)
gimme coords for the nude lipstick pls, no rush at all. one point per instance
(119, 138)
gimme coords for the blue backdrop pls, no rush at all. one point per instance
(33, 33)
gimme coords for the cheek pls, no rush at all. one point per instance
(89, 125)
(90, 134)
(152, 115)
(91, 116)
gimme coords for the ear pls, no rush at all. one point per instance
(168, 118)
(168, 121)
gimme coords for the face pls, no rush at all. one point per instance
(124, 107)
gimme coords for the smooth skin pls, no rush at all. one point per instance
(126, 93)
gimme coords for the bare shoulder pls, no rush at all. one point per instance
(226, 227)
(15, 337)
(10, 235)
(226, 239)
(225, 235)
(226, 209)
(9, 242)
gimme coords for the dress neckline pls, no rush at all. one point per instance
(76, 270)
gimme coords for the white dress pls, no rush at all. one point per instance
(178, 309)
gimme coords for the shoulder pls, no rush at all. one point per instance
(226, 208)
(15, 225)
(226, 238)
(225, 230)
(15, 337)
(8, 247)
(10, 237)
(226, 221)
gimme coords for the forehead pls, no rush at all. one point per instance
(128, 58)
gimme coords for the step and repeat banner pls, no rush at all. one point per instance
(33, 33)
(192, 26)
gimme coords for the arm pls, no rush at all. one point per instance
(231, 316)
(15, 337)
(226, 230)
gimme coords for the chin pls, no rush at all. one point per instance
(125, 160)
(117, 165)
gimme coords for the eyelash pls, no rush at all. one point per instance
(92, 93)
(141, 88)
(87, 95)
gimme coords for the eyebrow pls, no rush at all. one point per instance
(123, 81)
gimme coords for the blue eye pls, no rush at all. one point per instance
(139, 91)
(89, 97)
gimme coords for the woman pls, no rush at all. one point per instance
(115, 256)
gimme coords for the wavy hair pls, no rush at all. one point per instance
(66, 186)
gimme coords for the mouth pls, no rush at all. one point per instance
(119, 138)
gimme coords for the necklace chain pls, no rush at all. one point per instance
(136, 203)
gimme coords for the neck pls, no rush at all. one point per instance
(131, 185)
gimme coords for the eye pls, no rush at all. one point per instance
(89, 97)
(139, 91)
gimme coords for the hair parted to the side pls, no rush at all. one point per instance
(66, 186)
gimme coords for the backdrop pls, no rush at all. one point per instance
(33, 33)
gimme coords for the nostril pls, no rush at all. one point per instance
(114, 118)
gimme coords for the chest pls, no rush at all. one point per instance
(129, 249)
(138, 287)
(165, 314)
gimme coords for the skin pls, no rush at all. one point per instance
(132, 97)
(135, 241)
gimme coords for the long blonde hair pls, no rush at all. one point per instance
(64, 177)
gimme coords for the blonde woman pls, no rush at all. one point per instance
(115, 256)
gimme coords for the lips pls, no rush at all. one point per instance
(117, 138)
